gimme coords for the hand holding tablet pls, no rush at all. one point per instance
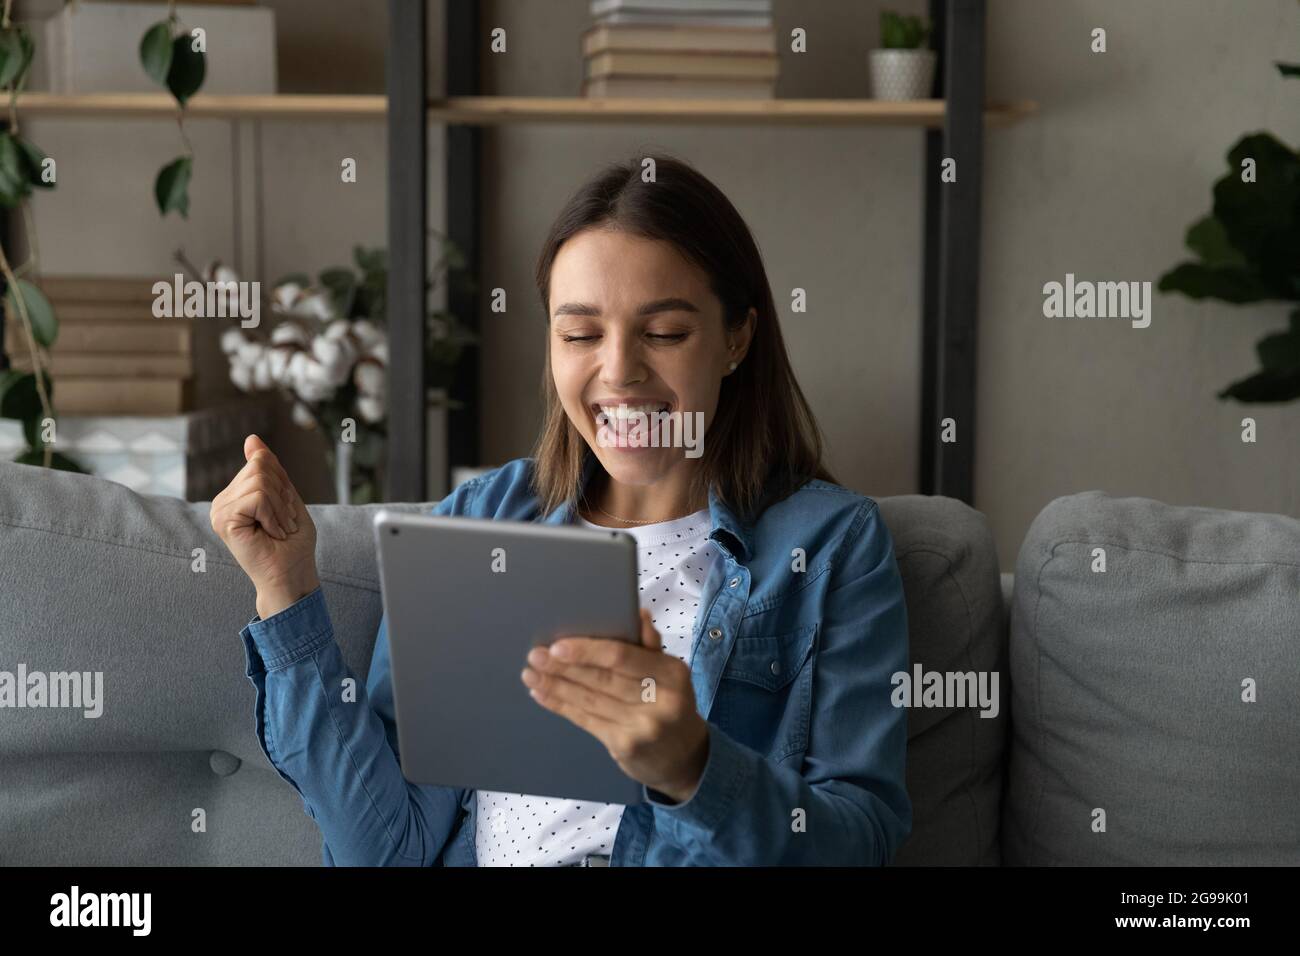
(465, 601)
(634, 699)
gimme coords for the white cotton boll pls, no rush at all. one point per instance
(297, 367)
(262, 373)
(335, 356)
(250, 352)
(370, 408)
(317, 305)
(338, 329)
(314, 391)
(311, 372)
(367, 333)
(277, 362)
(370, 378)
(231, 340)
(284, 296)
(302, 417)
(224, 274)
(289, 333)
(380, 351)
(242, 376)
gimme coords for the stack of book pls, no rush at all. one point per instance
(111, 356)
(723, 49)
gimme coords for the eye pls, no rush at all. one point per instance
(674, 337)
(576, 338)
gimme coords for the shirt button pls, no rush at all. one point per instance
(776, 667)
(733, 582)
(715, 633)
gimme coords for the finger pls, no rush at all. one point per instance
(632, 660)
(253, 443)
(257, 450)
(265, 459)
(592, 701)
(265, 479)
(600, 728)
(259, 506)
(619, 686)
(650, 638)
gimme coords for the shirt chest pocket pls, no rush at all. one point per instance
(764, 698)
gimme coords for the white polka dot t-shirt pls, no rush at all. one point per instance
(515, 829)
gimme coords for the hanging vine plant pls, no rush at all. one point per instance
(27, 396)
(173, 57)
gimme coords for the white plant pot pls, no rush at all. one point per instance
(902, 74)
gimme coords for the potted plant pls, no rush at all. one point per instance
(1248, 250)
(329, 357)
(903, 69)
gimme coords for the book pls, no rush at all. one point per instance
(670, 19)
(75, 310)
(749, 65)
(121, 396)
(708, 88)
(600, 8)
(66, 366)
(680, 38)
(208, 3)
(136, 289)
(161, 336)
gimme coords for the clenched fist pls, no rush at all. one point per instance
(263, 521)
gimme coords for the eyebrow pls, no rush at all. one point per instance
(671, 304)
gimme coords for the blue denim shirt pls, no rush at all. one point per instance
(801, 625)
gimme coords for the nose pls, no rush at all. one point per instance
(621, 361)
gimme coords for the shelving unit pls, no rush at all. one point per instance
(953, 127)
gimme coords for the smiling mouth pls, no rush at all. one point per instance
(616, 415)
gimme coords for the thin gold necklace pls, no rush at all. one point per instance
(633, 520)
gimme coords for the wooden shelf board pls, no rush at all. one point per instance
(491, 110)
(498, 110)
(283, 105)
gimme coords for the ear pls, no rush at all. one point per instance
(738, 339)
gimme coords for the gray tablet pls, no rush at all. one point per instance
(466, 599)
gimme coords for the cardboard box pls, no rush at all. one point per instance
(95, 47)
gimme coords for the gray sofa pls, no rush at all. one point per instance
(1120, 692)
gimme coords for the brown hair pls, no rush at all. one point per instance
(764, 443)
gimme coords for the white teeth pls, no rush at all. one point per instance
(621, 412)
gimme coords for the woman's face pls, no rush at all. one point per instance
(633, 323)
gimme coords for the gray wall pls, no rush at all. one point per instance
(1102, 182)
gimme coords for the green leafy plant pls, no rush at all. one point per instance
(26, 396)
(174, 59)
(898, 32)
(1248, 250)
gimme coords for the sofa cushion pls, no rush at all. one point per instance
(103, 579)
(99, 578)
(1128, 687)
(956, 625)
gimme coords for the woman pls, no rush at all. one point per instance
(772, 608)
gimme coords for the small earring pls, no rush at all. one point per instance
(732, 366)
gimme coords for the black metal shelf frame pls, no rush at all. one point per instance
(951, 245)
